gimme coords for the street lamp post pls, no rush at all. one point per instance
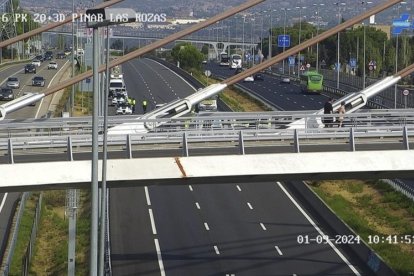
(284, 33)
(396, 56)
(338, 44)
(317, 33)
(300, 31)
(364, 62)
(105, 14)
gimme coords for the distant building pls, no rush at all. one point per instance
(385, 28)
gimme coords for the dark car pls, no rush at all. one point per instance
(40, 57)
(38, 81)
(258, 77)
(30, 68)
(60, 56)
(238, 70)
(6, 94)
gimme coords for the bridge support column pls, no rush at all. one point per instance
(405, 138)
(241, 143)
(296, 141)
(351, 139)
(10, 151)
(185, 145)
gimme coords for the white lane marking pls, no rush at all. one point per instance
(21, 70)
(238, 188)
(198, 206)
(147, 196)
(217, 250)
(206, 226)
(160, 263)
(318, 229)
(250, 206)
(278, 250)
(190, 187)
(3, 202)
(54, 94)
(154, 230)
(263, 227)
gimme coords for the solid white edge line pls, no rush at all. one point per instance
(197, 205)
(154, 230)
(263, 227)
(250, 206)
(238, 188)
(147, 196)
(217, 250)
(174, 73)
(159, 256)
(278, 250)
(318, 229)
(3, 202)
(206, 226)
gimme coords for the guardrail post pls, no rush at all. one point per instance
(69, 146)
(351, 139)
(185, 145)
(296, 141)
(241, 143)
(10, 151)
(128, 147)
(405, 138)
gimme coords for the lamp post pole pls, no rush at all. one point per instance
(284, 33)
(338, 45)
(396, 57)
(300, 31)
(365, 61)
(317, 33)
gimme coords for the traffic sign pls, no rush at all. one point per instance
(291, 61)
(308, 65)
(207, 73)
(283, 40)
(302, 68)
(406, 92)
(353, 62)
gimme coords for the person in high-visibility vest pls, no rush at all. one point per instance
(133, 105)
(144, 106)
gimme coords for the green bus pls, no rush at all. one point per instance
(311, 81)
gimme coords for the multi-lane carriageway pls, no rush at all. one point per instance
(233, 228)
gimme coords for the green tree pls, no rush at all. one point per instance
(187, 55)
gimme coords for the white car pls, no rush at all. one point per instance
(52, 65)
(36, 62)
(124, 109)
(285, 80)
(249, 79)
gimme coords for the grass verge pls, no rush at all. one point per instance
(373, 208)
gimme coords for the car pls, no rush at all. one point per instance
(6, 94)
(258, 77)
(285, 80)
(124, 109)
(36, 62)
(248, 79)
(30, 68)
(30, 93)
(38, 81)
(52, 65)
(238, 70)
(39, 58)
(119, 99)
(60, 55)
(13, 82)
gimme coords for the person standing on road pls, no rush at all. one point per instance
(133, 105)
(328, 109)
(144, 106)
(341, 112)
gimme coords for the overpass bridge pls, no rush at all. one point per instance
(218, 148)
(217, 45)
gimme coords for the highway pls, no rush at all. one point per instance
(230, 229)
(280, 95)
(8, 200)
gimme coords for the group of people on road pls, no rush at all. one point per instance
(328, 109)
